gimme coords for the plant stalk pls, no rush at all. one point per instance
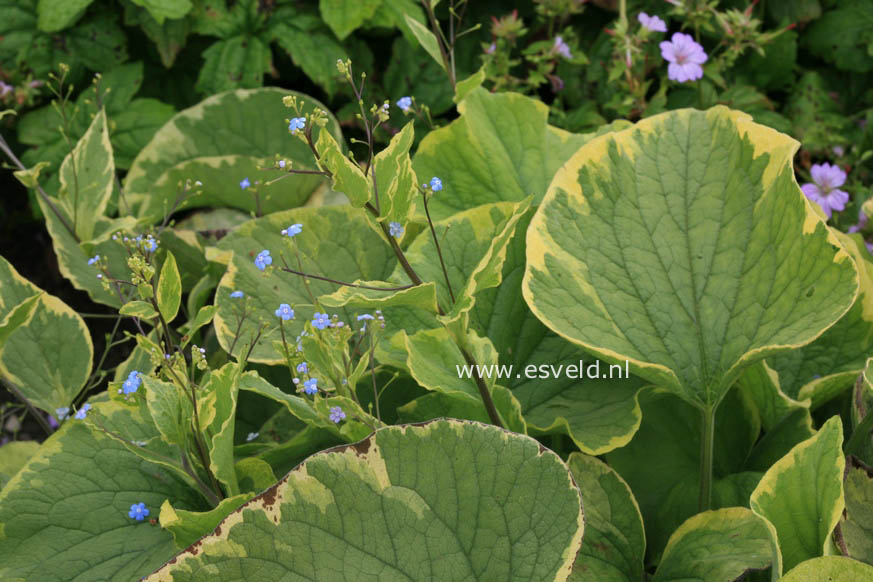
(707, 444)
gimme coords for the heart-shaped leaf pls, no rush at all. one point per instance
(685, 246)
(447, 500)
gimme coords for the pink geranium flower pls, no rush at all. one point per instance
(685, 57)
(824, 189)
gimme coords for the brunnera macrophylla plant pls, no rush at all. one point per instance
(297, 317)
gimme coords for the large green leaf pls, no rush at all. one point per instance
(351, 251)
(344, 16)
(829, 569)
(73, 257)
(843, 36)
(227, 136)
(500, 149)
(169, 291)
(685, 246)
(313, 48)
(55, 15)
(161, 9)
(614, 541)
(13, 456)
(87, 177)
(599, 414)
(802, 495)
(238, 62)
(830, 364)
(668, 443)
(131, 122)
(437, 363)
(45, 347)
(49, 356)
(717, 545)
(856, 523)
(64, 516)
(448, 500)
(218, 410)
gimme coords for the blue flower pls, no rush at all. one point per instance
(311, 386)
(285, 312)
(138, 511)
(80, 414)
(303, 368)
(62, 412)
(263, 259)
(404, 103)
(149, 244)
(436, 184)
(292, 230)
(296, 123)
(337, 414)
(132, 383)
(395, 229)
(93, 259)
(282, 163)
(245, 183)
(365, 316)
(320, 321)
(237, 294)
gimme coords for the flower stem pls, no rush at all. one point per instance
(707, 444)
(483, 389)
(436, 243)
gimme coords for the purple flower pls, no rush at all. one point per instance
(303, 368)
(824, 190)
(560, 47)
(337, 414)
(652, 23)
(138, 511)
(4, 89)
(685, 57)
(245, 183)
(491, 48)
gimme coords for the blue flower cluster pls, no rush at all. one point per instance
(138, 511)
(263, 260)
(321, 321)
(132, 383)
(285, 312)
(292, 230)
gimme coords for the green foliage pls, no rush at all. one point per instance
(396, 482)
(639, 298)
(598, 269)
